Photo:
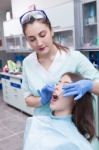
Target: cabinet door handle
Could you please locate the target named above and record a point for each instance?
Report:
(5, 77)
(15, 85)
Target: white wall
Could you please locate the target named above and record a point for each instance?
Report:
(18, 8)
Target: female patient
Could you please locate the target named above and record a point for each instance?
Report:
(69, 127)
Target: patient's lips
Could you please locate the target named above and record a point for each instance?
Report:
(54, 98)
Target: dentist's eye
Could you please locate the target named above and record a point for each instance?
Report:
(42, 34)
(31, 39)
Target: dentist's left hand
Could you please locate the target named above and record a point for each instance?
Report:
(46, 93)
(78, 88)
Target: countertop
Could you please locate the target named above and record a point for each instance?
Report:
(18, 76)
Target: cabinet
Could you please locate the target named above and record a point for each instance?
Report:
(16, 43)
(87, 1)
(13, 37)
(13, 93)
(12, 27)
(63, 27)
(12, 42)
(25, 5)
(61, 16)
(65, 38)
(87, 25)
(60, 13)
(87, 29)
(6, 88)
(90, 24)
(94, 58)
(18, 100)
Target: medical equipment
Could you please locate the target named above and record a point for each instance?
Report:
(36, 14)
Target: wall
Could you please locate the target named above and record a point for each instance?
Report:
(3, 55)
(19, 8)
(2, 18)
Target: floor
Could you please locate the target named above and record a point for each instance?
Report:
(12, 124)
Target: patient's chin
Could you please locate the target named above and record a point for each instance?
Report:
(52, 107)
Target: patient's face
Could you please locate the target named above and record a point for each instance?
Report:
(59, 104)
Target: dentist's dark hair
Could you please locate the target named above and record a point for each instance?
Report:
(83, 113)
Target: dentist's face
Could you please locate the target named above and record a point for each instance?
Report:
(59, 104)
(39, 37)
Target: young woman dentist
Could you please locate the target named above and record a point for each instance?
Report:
(68, 127)
(48, 62)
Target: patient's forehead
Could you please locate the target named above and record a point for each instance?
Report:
(66, 79)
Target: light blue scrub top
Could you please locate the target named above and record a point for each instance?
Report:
(35, 76)
(53, 133)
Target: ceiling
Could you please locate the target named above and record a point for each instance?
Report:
(5, 5)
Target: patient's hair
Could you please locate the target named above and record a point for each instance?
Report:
(83, 113)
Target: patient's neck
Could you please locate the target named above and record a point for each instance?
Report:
(62, 113)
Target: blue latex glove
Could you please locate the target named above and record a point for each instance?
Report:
(77, 89)
(46, 93)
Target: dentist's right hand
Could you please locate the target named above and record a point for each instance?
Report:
(46, 93)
